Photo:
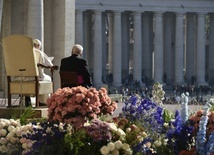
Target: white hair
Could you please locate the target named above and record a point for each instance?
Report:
(37, 42)
(77, 49)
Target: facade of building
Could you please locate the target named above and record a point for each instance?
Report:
(169, 41)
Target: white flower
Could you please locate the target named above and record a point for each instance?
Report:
(10, 128)
(144, 134)
(118, 144)
(86, 124)
(140, 138)
(48, 130)
(14, 122)
(3, 148)
(128, 130)
(24, 146)
(125, 146)
(113, 127)
(2, 125)
(157, 143)
(3, 140)
(111, 146)
(13, 140)
(165, 142)
(128, 152)
(18, 132)
(7, 122)
(108, 118)
(120, 132)
(166, 124)
(29, 144)
(22, 140)
(148, 144)
(104, 150)
(115, 152)
(3, 132)
(9, 135)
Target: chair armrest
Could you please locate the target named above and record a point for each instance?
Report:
(55, 67)
(51, 68)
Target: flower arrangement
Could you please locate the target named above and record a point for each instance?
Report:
(77, 104)
(80, 120)
(11, 132)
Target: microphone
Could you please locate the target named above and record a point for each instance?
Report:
(22, 69)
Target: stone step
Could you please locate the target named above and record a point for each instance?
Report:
(16, 110)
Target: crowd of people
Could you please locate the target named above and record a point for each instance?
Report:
(197, 94)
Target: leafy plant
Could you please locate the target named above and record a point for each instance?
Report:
(28, 113)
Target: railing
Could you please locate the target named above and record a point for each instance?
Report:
(118, 97)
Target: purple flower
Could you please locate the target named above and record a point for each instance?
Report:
(98, 131)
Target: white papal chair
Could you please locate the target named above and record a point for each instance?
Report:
(20, 63)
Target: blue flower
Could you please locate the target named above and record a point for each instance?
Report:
(201, 134)
(210, 145)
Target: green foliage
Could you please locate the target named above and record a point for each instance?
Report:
(75, 142)
(167, 116)
(212, 108)
(28, 113)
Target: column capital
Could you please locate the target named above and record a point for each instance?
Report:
(159, 13)
(98, 11)
(117, 11)
(190, 15)
(80, 10)
(180, 14)
(137, 12)
(201, 14)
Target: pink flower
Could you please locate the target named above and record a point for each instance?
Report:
(76, 105)
(79, 97)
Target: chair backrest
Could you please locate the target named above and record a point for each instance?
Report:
(68, 79)
(19, 54)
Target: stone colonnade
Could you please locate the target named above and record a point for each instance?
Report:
(168, 47)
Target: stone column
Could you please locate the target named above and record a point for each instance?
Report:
(211, 50)
(190, 46)
(147, 44)
(169, 44)
(5, 31)
(63, 32)
(35, 25)
(179, 50)
(158, 49)
(137, 55)
(18, 20)
(200, 60)
(117, 49)
(1, 10)
(104, 50)
(98, 43)
(88, 43)
(48, 27)
(110, 43)
(79, 24)
(125, 44)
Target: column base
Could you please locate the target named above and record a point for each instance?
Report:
(180, 82)
(117, 84)
(98, 85)
(202, 83)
